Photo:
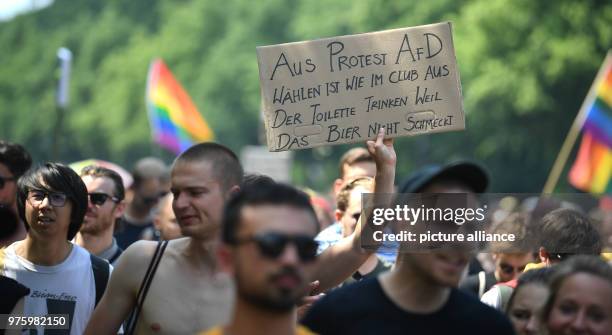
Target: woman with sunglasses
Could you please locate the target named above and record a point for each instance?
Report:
(52, 200)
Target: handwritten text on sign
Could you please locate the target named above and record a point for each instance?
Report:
(342, 89)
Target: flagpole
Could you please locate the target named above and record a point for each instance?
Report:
(572, 135)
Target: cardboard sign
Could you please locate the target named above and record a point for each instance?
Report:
(342, 89)
(276, 165)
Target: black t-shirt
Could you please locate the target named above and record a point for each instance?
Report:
(128, 232)
(10, 291)
(364, 308)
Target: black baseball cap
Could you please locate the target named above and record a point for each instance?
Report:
(471, 174)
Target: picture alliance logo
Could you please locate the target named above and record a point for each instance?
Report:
(412, 215)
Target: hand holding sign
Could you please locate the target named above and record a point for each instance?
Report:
(382, 150)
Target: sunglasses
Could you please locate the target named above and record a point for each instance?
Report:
(560, 256)
(99, 199)
(509, 269)
(272, 245)
(3, 181)
(56, 199)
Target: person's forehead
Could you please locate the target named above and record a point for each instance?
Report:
(586, 285)
(355, 196)
(98, 184)
(193, 174)
(280, 218)
(359, 169)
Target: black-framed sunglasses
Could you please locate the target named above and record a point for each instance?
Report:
(3, 181)
(560, 256)
(99, 199)
(272, 245)
(56, 199)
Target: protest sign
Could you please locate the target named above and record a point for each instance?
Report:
(342, 89)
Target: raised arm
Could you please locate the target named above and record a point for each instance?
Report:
(341, 260)
(120, 295)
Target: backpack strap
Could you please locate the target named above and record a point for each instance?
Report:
(116, 255)
(101, 273)
(144, 286)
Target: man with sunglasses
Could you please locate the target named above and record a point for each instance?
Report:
(105, 207)
(150, 184)
(14, 162)
(62, 276)
(561, 233)
(189, 292)
(268, 246)
(509, 258)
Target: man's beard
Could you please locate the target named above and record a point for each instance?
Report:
(285, 300)
(95, 227)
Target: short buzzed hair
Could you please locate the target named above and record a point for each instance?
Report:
(276, 194)
(353, 156)
(225, 164)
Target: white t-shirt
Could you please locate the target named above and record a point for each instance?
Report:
(66, 288)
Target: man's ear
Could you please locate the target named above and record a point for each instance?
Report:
(225, 257)
(544, 256)
(119, 209)
(338, 214)
(233, 190)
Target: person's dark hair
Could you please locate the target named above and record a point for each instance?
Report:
(592, 265)
(568, 231)
(55, 177)
(263, 194)
(256, 179)
(536, 276)
(354, 156)
(225, 164)
(149, 168)
(100, 172)
(15, 157)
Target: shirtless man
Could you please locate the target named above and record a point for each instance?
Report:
(189, 292)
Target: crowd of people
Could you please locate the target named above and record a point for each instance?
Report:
(201, 248)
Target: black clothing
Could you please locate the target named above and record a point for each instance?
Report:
(364, 308)
(128, 232)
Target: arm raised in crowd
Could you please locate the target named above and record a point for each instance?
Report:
(341, 260)
(120, 295)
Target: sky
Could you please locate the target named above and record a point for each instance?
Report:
(11, 8)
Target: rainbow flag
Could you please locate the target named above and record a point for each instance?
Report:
(175, 121)
(592, 170)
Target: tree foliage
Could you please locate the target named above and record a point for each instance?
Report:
(525, 68)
